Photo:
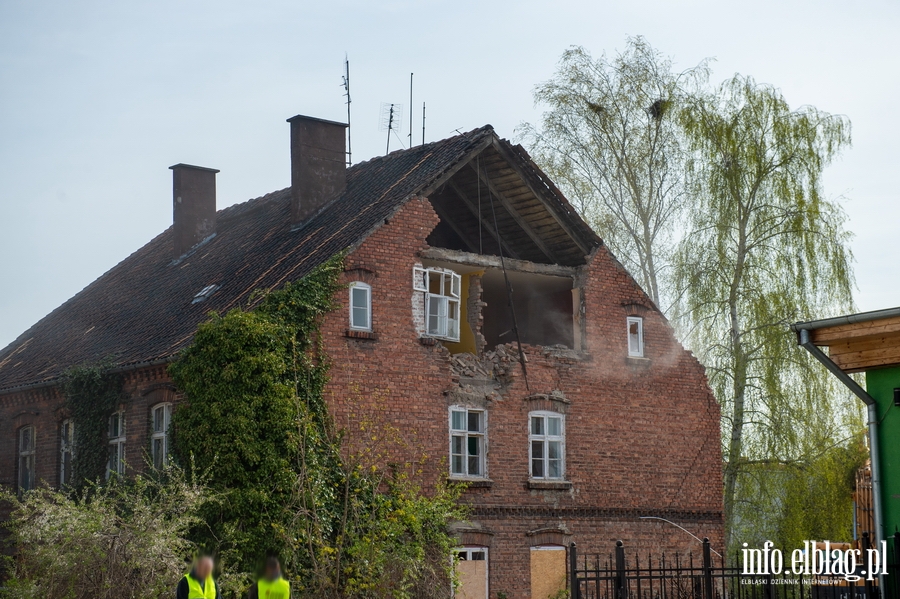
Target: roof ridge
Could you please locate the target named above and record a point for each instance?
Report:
(141, 307)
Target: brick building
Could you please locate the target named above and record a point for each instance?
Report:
(612, 421)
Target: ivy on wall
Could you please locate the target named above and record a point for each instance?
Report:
(253, 382)
(255, 421)
(92, 392)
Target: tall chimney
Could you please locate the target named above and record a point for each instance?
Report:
(318, 165)
(193, 205)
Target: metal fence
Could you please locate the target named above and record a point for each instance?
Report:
(709, 576)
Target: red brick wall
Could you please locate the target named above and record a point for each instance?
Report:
(642, 435)
(43, 408)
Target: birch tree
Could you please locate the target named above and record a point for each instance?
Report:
(610, 139)
(764, 248)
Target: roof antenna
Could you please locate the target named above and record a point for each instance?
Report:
(391, 117)
(423, 123)
(410, 109)
(347, 95)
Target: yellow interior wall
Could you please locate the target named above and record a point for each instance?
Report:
(548, 572)
(466, 335)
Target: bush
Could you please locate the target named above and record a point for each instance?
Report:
(124, 539)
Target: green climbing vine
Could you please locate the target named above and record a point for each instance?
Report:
(255, 420)
(92, 393)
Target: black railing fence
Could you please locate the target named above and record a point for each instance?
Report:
(709, 576)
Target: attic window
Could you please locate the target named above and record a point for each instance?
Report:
(204, 294)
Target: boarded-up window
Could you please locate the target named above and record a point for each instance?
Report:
(548, 571)
(472, 569)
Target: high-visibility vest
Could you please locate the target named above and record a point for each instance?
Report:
(195, 591)
(274, 589)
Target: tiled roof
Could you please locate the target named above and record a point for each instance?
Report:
(141, 310)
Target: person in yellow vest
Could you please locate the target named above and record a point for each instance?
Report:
(198, 583)
(272, 585)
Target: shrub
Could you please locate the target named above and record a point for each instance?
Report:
(124, 539)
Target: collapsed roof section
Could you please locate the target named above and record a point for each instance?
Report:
(500, 201)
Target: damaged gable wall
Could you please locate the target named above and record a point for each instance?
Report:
(642, 434)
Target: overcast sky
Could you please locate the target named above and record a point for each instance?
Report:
(98, 99)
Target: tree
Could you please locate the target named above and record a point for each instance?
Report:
(611, 140)
(765, 248)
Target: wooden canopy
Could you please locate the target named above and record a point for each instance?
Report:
(859, 342)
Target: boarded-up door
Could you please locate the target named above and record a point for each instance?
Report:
(548, 571)
(472, 569)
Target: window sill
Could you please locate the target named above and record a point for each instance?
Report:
(472, 483)
(638, 360)
(549, 485)
(427, 340)
(357, 334)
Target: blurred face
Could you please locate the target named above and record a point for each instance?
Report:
(272, 571)
(204, 567)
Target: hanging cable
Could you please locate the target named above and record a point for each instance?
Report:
(478, 176)
(512, 308)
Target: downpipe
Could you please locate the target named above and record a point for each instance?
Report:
(872, 425)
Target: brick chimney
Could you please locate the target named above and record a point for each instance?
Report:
(193, 205)
(318, 165)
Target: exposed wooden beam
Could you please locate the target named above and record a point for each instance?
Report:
(437, 183)
(859, 330)
(474, 209)
(507, 205)
(857, 361)
(484, 261)
(446, 218)
(512, 160)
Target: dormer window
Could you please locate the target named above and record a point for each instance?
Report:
(635, 337)
(441, 289)
(204, 294)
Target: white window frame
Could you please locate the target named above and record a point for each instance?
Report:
(463, 433)
(442, 304)
(357, 286)
(160, 434)
(635, 351)
(116, 443)
(473, 551)
(545, 439)
(27, 457)
(66, 451)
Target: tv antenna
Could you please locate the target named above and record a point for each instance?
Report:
(346, 79)
(391, 119)
(410, 110)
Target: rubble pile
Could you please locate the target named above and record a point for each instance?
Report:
(498, 364)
